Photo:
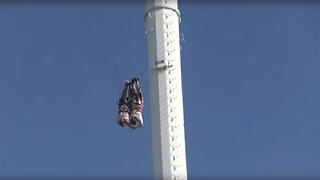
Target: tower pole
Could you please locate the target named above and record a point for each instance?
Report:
(168, 137)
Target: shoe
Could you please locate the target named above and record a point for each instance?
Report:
(135, 79)
(127, 83)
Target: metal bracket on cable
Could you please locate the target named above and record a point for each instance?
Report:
(162, 7)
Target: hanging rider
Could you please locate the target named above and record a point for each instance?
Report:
(135, 102)
(124, 111)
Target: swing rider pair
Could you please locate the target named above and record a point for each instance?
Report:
(130, 107)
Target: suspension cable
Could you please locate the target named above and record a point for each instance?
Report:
(104, 58)
(109, 45)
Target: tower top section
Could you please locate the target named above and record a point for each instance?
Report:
(153, 5)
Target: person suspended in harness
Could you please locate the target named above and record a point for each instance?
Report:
(124, 111)
(130, 105)
(135, 103)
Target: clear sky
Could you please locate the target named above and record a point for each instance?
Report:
(251, 87)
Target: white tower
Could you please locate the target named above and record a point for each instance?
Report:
(168, 138)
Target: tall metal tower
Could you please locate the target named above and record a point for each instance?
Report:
(168, 137)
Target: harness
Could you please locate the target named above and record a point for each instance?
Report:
(124, 108)
(135, 98)
(122, 101)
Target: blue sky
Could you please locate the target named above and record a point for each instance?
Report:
(251, 87)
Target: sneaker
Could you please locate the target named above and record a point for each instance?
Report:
(135, 79)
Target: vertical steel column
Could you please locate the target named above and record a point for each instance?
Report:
(169, 156)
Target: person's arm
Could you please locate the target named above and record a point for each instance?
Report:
(136, 127)
(140, 124)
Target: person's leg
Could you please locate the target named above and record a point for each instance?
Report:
(124, 92)
(131, 91)
(123, 99)
(135, 79)
(138, 85)
(139, 94)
